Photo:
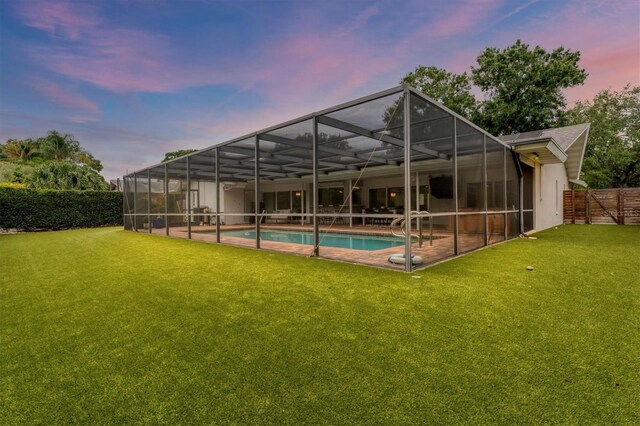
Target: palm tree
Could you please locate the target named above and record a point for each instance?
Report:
(20, 150)
(65, 147)
(58, 147)
(65, 175)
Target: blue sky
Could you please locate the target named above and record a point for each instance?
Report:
(135, 79)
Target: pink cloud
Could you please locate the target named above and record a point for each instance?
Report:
(456, 19)
(363, 17)
(65, 96)
(335, 62)
(62, 19)
(460, 18)
(607, 37)
(111, 57)
(609, 67)
(322, 63)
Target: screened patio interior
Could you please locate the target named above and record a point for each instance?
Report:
(392, 174)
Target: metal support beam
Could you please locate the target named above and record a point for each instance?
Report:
(166, 200)
(456, 246)
(244, 172)
(316, 233)
(188, 199)
(485, 183)
(350, 202)
(149, 200)
(217, 195)
(516, 161)
(125, 204)
(506, 204)
(135, 202)
(342, 125)
(325, 149)
(418, 220)
(302, 201)
(257, 191)
(407, 182)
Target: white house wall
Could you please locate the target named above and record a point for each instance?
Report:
(232, 200)
(233, 203)
(550, 181)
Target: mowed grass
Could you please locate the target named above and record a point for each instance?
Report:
(104, 326)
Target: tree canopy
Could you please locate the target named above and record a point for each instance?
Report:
(612, 157)
(451, 90)
(521, 87)
(65, 175)
(175, 154)
(54, 161)
(19, 150)
(520, 90)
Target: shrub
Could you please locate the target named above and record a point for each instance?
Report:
(44, 209)
(65, 175)
(15, 185)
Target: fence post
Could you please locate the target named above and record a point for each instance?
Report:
(621, 206)
(573, 206)
(587, 212)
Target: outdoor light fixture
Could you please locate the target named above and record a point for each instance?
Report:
(392, 194)
(297, 194)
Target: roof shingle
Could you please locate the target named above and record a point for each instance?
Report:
(563, 136)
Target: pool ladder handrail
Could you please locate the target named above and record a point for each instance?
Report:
(414, 214)
(262, 215)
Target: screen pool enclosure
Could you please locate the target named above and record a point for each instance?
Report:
(392, 179)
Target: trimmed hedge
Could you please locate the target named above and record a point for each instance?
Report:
(46, 209)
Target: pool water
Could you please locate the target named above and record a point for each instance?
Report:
(349, 241)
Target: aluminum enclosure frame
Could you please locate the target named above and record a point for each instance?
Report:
(405, 93)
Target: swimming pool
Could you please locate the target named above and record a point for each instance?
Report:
(349, 241)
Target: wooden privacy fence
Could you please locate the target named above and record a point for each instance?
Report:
(604, 206)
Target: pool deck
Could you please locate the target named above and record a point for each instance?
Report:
(440, 249)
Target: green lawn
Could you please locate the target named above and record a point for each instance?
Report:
(106, 326)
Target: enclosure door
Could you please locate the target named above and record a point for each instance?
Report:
(527, 197)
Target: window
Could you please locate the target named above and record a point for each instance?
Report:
(331, 197)
(284, 200)
(269, 201)
(396, 197)
(296, 206)
(474, 196)
(377, 198)
(356, 196)
(495, 195)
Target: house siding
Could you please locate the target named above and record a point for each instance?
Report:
(550, 181)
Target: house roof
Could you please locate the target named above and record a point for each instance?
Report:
(571, 140)
(564, 137)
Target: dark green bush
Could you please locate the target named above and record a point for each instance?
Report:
(40, 209)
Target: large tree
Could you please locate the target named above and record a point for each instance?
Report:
(52, 161)
(523, 86)
(58, 147)
(20, 150)
(451, 90)
(612, 157)
(520, 87)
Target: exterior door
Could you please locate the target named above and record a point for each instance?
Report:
(527, 197)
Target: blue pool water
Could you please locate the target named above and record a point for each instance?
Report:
(350, 241)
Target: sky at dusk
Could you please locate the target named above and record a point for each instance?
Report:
(135, 79)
